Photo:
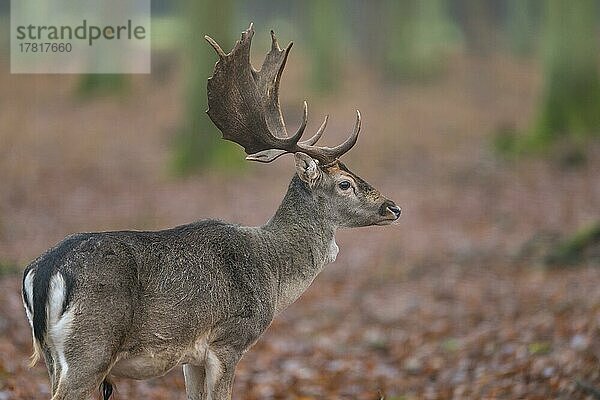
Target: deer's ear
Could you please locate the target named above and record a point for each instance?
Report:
(307, 168)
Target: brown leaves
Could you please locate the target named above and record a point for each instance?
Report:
(431, 308)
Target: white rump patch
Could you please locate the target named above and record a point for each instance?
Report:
(28, 284)
(59, 326)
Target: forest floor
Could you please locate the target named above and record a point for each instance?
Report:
(444, 305)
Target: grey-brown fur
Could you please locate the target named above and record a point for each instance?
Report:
(138, 293)
(137, 304)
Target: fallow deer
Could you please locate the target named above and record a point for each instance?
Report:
(137, 304)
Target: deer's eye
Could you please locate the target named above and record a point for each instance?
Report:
(344, 185)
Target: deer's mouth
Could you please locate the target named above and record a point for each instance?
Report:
(390, 213)
(387, 221)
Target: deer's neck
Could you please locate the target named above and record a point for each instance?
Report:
(303, 241)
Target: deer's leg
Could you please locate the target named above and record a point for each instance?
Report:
(220, 369)
(86, 365)
(228, 344)
(85, 348)
(194, 381)
(71, 390)
(53, 369)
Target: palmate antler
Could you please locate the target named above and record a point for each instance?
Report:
(244, 104)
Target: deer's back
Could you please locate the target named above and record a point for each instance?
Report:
(174, 283)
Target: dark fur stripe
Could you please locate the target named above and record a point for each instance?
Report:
(106, 389)
(45, 268)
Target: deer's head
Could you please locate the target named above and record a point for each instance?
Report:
(244, 105)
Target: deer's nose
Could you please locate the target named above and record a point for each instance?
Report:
(396, 210)
(390, 206)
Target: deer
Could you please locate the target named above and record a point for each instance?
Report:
(136, 304)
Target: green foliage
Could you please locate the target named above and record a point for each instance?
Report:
(198, 145)
(419, 35)
(4, 33)
(451, 345)
(8, 268)
(167, 32)
(572, 250)
(194, 152)
(505, 140)
(325, 29)
(539, 348)
(570, 101)
(91, 85)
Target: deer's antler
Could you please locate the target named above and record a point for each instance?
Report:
(244, 104)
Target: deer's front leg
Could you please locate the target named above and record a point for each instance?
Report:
(194, 381)
(220, 369)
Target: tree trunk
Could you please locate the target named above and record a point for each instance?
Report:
(418, 35)
(523, 19)
(571, 98)
(198, 144)
(325, 29)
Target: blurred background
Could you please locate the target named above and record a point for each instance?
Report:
(480, 119)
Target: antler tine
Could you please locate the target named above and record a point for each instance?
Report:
(244, 104)
(315, 138)
(274, 44)
(215, 46)
(302, 126)
(330, 154)
(351, 141)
